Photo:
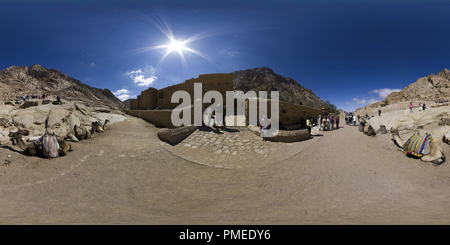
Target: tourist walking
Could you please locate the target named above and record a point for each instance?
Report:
(319, 122)
(324, 123)
(354, 120)
(423, 106)
(410, 107)
(379, 112)
(337, 122)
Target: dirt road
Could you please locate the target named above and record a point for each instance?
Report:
(127, 176)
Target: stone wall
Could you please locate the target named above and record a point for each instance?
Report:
(148, 99)
(159, 118)
(152, 98)
(290, 114)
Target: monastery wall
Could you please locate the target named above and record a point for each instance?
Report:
(290, 114)
(152, 98)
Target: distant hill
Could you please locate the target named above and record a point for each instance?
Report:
(17, 81)
(265, 79)
(429, 88)
(127, 103)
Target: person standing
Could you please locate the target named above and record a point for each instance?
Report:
(354, 120)
(423, 106)
(319, 122)
(224, 112)
(308, 125)
(410, 107)
(379, 112)
(263, 126)
(332, 122)
(337, 122)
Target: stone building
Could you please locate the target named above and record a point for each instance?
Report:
(291, 115)
(152, 98)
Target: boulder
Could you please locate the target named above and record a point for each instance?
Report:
(444, 121)
(4, 140)
(4, 133)
(5, 121)
(30, 103)
(56, 122)
(24, 131)
(32, 119)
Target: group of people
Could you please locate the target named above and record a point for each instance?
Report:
(327, 123)
(351, 118)
(30, 96)
(422, 107)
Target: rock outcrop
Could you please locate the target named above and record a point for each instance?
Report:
(265, 79)
(38, 120)
(429, 88)
(16, 82)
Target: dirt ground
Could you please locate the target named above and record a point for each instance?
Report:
(128, 176)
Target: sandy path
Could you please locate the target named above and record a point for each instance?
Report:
(344, 177)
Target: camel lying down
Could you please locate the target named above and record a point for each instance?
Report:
(32, 149)
(421, 146)
(99, 127)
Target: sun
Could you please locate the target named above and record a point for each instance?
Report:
(176, 45)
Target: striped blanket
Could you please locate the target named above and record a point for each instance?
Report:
(417, 145)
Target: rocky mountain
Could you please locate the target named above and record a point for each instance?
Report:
(127, 103)
(18, 81)
(429, 88)
(265, 79)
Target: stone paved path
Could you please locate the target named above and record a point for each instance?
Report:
(235, 148)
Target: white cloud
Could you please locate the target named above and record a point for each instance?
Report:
(382, 93)
(143, 78)
(122, 94)
(365, 101)
(92, 64)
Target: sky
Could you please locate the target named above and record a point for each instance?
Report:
(351, 53)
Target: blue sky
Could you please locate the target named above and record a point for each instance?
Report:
(351, 53)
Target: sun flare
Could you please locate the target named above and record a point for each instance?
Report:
(180, 47)
(175, 45)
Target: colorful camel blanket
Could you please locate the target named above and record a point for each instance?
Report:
(417, 145)
(38, 143)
